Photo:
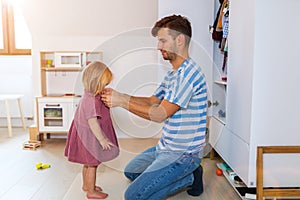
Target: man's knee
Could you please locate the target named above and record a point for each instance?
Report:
(128, 195)
(129, 175)
(132, 194)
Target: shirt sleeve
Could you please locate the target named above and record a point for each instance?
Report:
(160, 92)
(90, 108)
(180, 92)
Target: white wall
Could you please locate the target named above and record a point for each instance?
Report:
(92, 25)
(16, 78)
(70, 26)
(88, 17)
(82, 24)
(201, 14)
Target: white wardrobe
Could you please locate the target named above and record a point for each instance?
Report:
(261, 97)
(262, 92)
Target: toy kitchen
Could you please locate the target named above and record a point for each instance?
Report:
(61, 89)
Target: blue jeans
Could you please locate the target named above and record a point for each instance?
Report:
(156, 175)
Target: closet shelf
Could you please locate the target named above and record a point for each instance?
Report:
(241, 189)
(62, 69)
(220, 119)
(220, 82)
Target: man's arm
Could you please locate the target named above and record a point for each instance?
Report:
(150, 108)
(156, 112)
(147, 101)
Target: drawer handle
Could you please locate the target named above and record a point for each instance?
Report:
(53, 105)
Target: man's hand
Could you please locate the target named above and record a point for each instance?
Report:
(106, 96)
(112, 98)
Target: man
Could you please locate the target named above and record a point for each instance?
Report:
(180, 102)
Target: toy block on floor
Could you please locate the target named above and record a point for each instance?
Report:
(31, 145)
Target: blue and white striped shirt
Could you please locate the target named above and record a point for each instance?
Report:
(185, 130)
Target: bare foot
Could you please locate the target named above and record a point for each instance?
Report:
(96, 195)
(97, 188)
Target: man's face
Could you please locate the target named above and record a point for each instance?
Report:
(166, 44)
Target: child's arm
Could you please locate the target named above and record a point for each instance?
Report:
(94, 126)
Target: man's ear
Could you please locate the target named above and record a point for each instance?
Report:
(180, 40)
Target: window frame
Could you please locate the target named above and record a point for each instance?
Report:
(9, 47)
(4, 29)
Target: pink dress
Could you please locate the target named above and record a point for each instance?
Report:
(82, 146)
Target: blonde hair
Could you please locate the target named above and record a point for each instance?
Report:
(95, 77)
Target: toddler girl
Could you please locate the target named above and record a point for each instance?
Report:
(92, 139)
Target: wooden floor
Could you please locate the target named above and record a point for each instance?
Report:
(20, 179)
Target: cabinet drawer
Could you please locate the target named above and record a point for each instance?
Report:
(215, 130)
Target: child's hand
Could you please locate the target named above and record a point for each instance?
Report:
(106, 144)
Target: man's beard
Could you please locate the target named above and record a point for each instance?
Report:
(167, 55)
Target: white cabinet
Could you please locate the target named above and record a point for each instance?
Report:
(56, 113)
(261, 93)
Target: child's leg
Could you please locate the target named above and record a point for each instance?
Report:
(84, 185)
(90, 181)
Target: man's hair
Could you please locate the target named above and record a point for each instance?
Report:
(177, 23)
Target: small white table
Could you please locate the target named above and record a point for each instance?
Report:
(7, 98)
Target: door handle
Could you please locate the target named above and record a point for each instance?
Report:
(216, 103)
(52, 105)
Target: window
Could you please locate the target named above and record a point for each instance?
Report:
(15, 38)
